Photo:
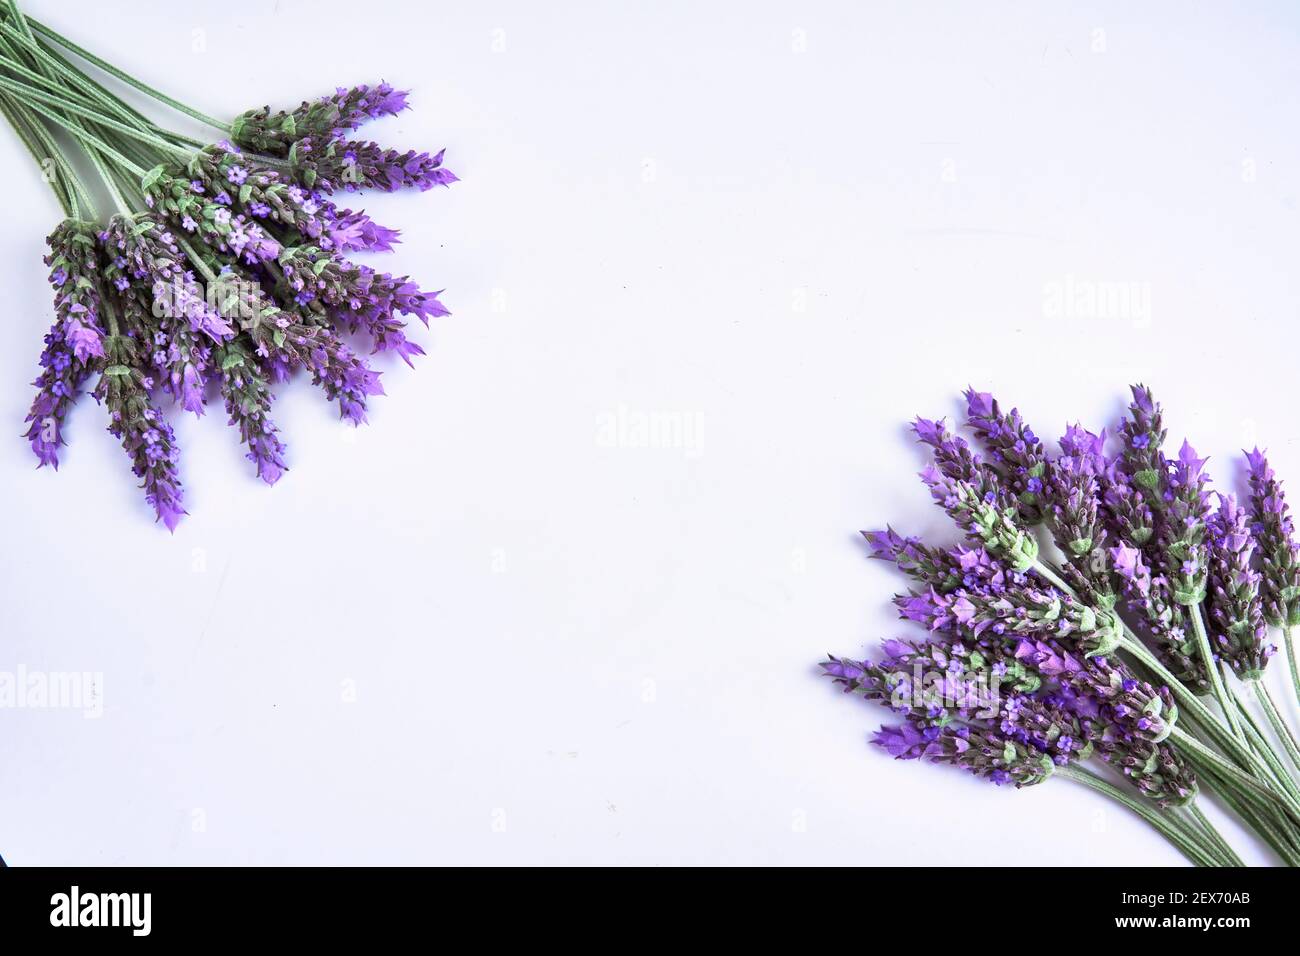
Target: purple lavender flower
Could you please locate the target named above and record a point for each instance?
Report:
(1124, 719)
(356, 297)
(1015, 452)
(1272, 526)
(147, 266)
(209, 220)
(1013, 739)
(143, 431)
(188, 288)
(355, 231)
(979, 516)
(942, 570)
(1151, 596)
(1072, 506)
(1142, 436)
(329, 117)
(353, 165)
(74, 344)
(1022, 611)
(1236, 623)
(1182, 528)
(248, 400)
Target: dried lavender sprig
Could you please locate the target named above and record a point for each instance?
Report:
(1015, 452)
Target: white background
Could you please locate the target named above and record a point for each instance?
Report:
(792, 226)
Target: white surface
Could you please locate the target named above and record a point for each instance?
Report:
(571, 649)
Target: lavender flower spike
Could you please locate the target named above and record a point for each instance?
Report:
(1073, 496)
(1237, 626)
(145, 435)
(329, 117)
(1278, 551)
(1143, 435)
(979, 516)
(1182, 531)
(74, 343)
(1016, 454)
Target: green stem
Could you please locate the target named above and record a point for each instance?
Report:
(94, 93)
(1231, 773)
(79, 194)
(1194, 850)
(1212, 670)
(68, 106)
(1264, 819)
(122, 206)
(1292, 659)
(127, 78)
(1226, 852)
(19, 123)
(1279, 725)
(1259, 743)
(86, 138)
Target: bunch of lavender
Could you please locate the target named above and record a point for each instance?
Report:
(1157, 599)
(224, 267)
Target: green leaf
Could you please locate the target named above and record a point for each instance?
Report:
(231, 360)
(152, 177)
(245, 191)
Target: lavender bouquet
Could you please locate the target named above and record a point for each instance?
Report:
(221, 268)
(1128, 659)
